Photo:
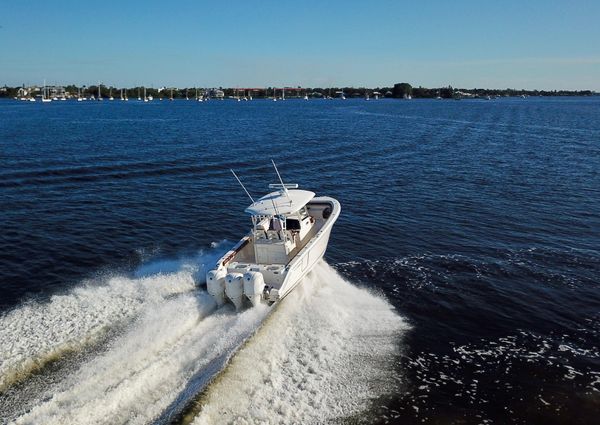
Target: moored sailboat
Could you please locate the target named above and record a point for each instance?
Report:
(45, 95)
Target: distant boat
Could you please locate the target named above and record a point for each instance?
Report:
(139, 98)
(367, 96)
(99, 92)
(305, 97)
(45, 97)
(145, 98)
(110, 96)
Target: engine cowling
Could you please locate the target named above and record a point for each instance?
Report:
(215, 285)
(254, 284)
(234, 289)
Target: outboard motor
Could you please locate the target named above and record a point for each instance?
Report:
(254, 284)
(215, 285)
(234, 289)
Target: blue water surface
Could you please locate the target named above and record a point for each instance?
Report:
(479, 220)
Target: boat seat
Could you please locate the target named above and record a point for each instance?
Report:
(273, 234)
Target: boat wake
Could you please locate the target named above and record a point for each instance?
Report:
(321, 354)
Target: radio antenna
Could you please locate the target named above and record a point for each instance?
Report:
(242, 184)
(283, 187)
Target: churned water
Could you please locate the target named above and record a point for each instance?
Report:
(461, 283)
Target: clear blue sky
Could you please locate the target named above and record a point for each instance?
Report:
(522, 44)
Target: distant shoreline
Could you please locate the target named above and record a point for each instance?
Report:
(399, 90)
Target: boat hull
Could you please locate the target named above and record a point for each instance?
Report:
(311, 254)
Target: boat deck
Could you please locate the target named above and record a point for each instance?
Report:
(244, 259)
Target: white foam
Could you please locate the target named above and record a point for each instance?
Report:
(149, 365)
(38, 332)
(322, 355)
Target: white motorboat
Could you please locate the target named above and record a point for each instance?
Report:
(290, 232)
